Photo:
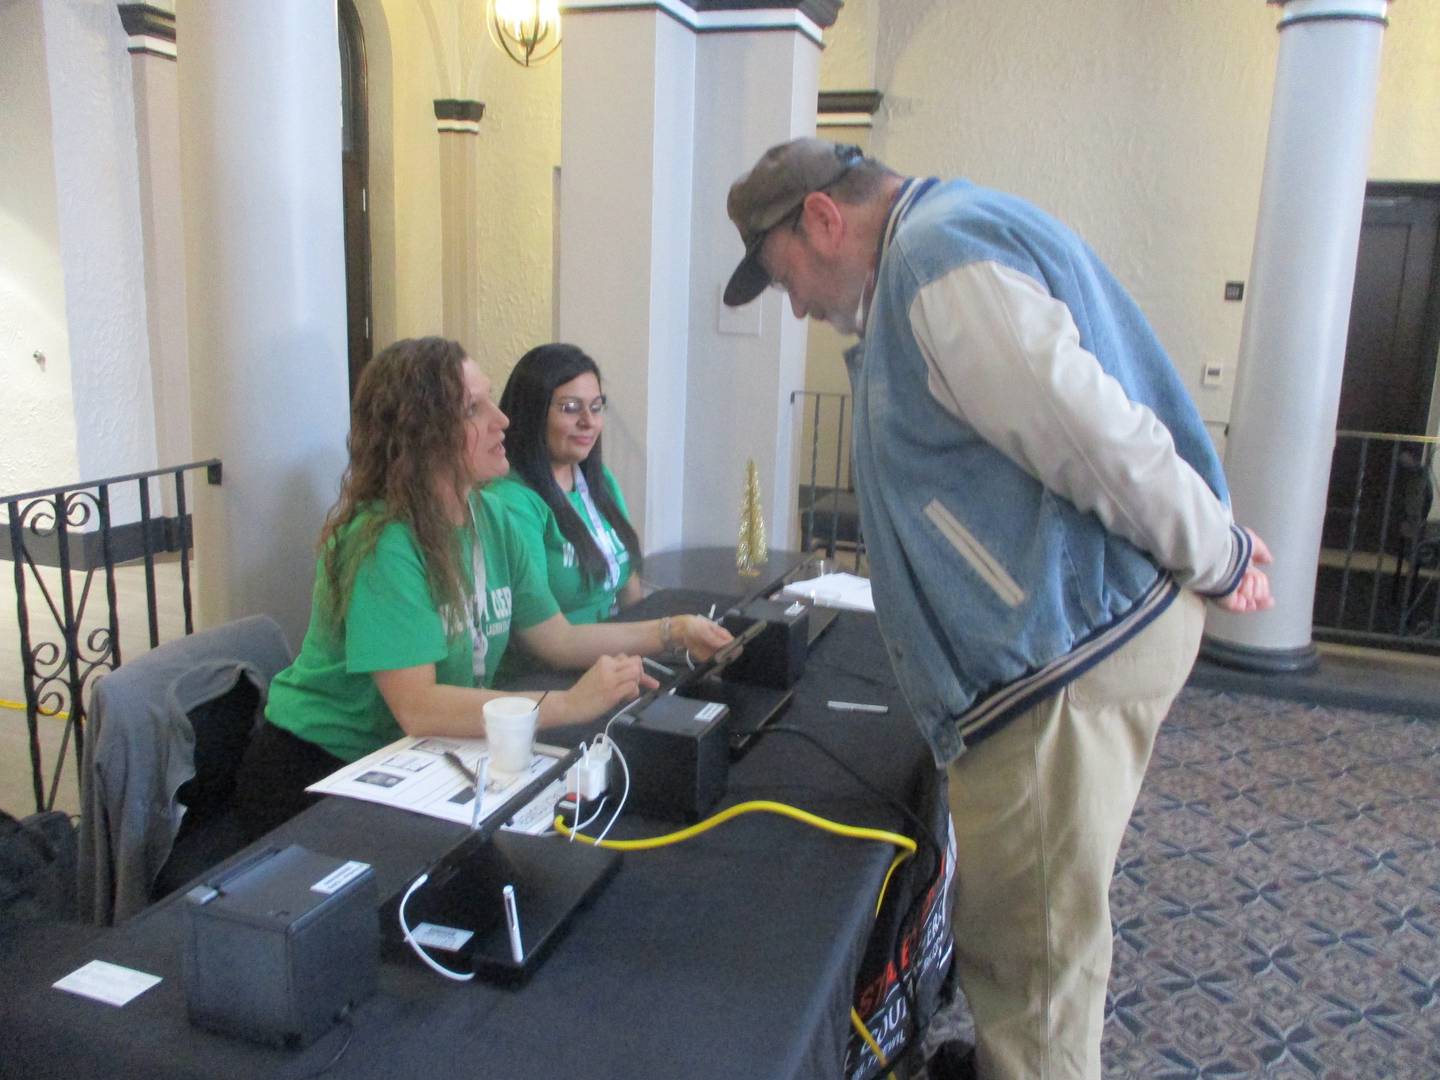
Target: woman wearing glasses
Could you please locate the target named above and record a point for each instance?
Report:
(421, 586)
(566, 505)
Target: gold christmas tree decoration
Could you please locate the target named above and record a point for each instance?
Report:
(752, 552)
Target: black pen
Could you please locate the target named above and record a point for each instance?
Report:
(454, 759)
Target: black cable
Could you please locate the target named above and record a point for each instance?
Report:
(851, 673)
(907, 982)
(343, 1018)
(909, 815)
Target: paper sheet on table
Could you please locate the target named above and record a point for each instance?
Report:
(412, 773)
(110, 983)
(844, 591)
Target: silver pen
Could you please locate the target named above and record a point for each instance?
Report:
(481, 775)
(512, 923)
(857, 706)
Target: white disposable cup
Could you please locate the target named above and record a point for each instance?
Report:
(510, 733)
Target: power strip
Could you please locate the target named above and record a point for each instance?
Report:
(590, 776)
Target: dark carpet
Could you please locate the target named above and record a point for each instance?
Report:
(1277, 899)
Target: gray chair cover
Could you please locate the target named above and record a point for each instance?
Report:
(141, 749)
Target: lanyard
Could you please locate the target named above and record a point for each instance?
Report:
(597, 529)
(476, 606)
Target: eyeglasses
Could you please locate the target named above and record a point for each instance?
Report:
(573, 406)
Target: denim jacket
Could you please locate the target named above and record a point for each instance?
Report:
(1035, 483)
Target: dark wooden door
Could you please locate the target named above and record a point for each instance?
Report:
(354, 158)
(1390, 353)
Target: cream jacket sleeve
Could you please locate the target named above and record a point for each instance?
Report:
(1005, 357)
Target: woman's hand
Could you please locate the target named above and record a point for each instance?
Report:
(698, 634)
(610, 681)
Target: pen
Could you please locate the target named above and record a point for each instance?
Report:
(655, 665)
(512, 922)
(454, 759)
(856, 706)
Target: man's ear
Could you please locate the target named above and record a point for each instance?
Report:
(824, 222)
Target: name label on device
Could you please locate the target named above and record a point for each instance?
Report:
(339, 877)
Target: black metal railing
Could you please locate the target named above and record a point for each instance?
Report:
(1377, 582)
(829, 512)
(51, 528)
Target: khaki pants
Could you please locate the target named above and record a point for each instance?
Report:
(1040, 809)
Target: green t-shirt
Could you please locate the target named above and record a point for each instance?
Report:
(538, 530)
(328, 697)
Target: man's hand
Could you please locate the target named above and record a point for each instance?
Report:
(1253, 593)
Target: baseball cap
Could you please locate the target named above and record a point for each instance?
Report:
(771, 192)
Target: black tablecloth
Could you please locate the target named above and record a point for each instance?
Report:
(732, 955)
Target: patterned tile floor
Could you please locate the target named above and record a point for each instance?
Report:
(1277, 899)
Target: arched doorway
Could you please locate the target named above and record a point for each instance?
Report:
(354, 157)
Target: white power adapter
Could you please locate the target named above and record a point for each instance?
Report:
(590, 776)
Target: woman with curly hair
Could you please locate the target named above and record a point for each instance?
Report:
(419, 586)
(565, 504)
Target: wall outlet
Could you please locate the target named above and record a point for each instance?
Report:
(1234, 290)
(1212, 374)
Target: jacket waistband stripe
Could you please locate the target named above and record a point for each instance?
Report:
(985, 715)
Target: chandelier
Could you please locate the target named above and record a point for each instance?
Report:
(528, 30)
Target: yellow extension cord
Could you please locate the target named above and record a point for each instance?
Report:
(20, 706)
(853, 832)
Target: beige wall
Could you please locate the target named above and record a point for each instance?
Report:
(440, 49)
(1144, 128)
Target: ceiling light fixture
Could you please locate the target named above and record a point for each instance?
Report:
(528, 30)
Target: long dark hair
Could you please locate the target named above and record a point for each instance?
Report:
(526, 401)
(406, 428)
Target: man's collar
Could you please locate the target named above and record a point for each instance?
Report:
(905, 197)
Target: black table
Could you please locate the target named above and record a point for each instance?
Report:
(732, 955)
(713, 568)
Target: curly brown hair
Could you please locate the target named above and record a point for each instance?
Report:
(407, 429)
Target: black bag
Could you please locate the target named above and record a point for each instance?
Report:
(37, 867)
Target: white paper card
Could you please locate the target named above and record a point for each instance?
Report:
(843, 591)
(449, 938)
(110, 983)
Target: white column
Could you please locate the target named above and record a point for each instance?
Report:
(151, 31)
(1292, 350)
(627, 146)
(259, 93)
(663, 105)
(762, 90)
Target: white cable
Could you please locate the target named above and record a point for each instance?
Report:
(579, 795)
(599, 809)
(420, 949)
(621, 713)
(624, 792)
